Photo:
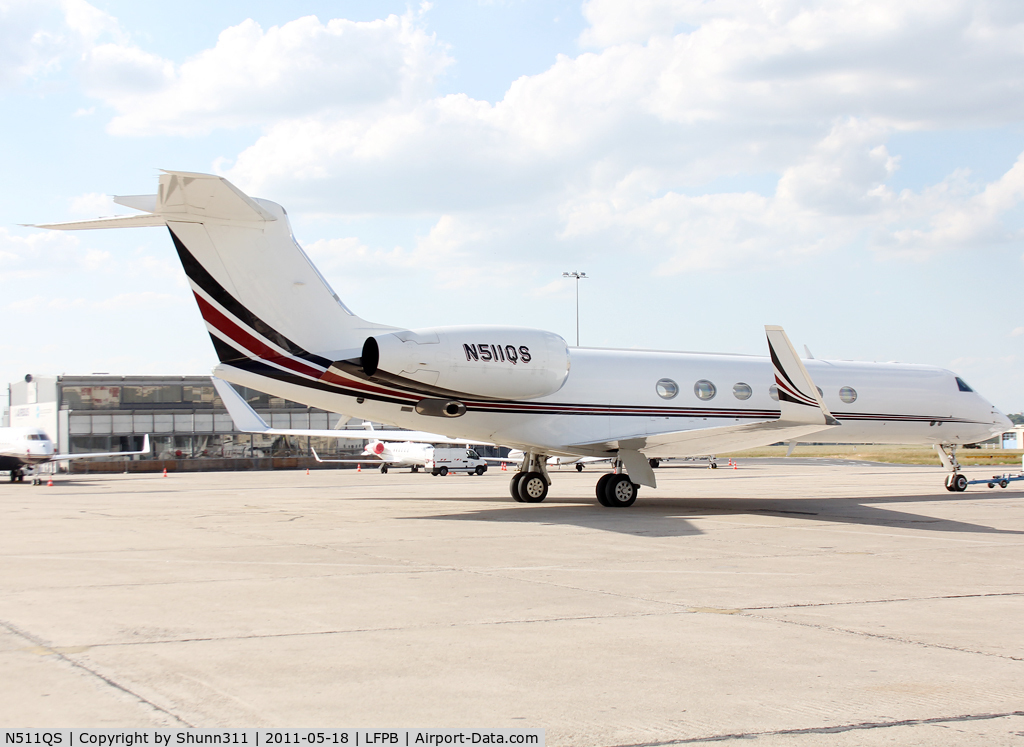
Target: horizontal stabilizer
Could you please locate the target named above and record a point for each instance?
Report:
(182, 196)
(146, 203)
(117, 221)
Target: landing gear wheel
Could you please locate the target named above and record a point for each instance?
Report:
(415, 468)
(655, 463)
(480, 469)
(579, 466)
(443, 471)
(383, 469)
(620, 492)
(513, 486)
(949, 483)
(958, 484)
(713, 465)
(14, 476)
(533, 488)
(600, 489)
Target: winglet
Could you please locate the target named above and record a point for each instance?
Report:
(799, 400)
(246, 419)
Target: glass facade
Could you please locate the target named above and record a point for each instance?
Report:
(186, 420)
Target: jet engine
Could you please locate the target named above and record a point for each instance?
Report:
(478, 361)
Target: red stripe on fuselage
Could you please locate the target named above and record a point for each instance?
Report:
(246, 340)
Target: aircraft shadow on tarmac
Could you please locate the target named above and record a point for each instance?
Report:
(672, 517)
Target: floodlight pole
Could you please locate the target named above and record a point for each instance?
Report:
(577, 276)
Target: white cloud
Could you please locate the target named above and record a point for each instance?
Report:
(39, 37)
(256, 77)
(1017, 332)
(93, 205)
(616, 147)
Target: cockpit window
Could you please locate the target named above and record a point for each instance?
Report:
(963, 385)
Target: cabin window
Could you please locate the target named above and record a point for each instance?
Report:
(963, 385)
(704, 389)
(742, 391)
(666, 388)
(773, 392)
(848, 395)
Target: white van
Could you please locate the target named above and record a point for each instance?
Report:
(444, 461)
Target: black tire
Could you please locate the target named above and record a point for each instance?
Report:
(480, 469)
(949, 483)
(600, 488)
(533, 488)
(435, 472)
(620, 492)
(579, 466)
(713, 465)
(443, 472)
(513, 486)
(959, 483)
(991, 484)
(655, 463)
(383, 469)
(1003, 483)
(415, 468)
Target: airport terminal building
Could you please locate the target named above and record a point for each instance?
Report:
(183, 415)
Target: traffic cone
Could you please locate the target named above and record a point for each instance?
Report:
(165, 472)
(307, 470)
(49, 483)
(503, 467)
(735, 465)
(359, 468)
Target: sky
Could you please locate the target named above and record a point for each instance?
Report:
(850, 169)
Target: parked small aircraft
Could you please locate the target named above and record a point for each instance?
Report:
(24, 449)
(278, 327)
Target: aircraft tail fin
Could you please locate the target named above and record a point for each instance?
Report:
(799, 400)
(267, 308)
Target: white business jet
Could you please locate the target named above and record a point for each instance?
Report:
(388, 448)
(278, 327)
(22, 450)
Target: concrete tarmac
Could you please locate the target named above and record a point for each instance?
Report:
(789, 602)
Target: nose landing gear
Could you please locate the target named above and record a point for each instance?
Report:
(955, 482)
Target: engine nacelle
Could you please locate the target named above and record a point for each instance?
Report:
(477, 361)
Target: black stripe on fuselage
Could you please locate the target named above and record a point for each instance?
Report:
(523, 408)
(201, 277)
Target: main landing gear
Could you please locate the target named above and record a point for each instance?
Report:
(17, 475)
(530, 484)
(616, 490)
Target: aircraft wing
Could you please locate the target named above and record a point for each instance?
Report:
(801, 413)
(247, 420)
(348, 461)
(703, 441)
(90, 455)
